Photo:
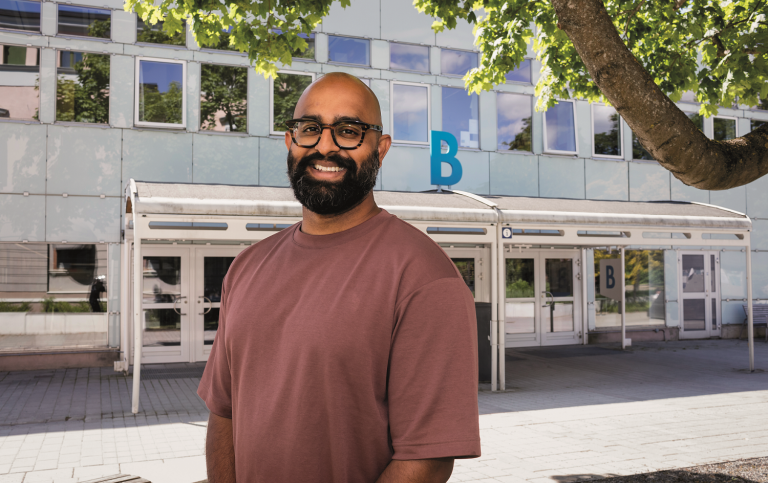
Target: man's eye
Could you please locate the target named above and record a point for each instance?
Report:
(309, 129)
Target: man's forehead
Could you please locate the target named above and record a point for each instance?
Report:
(333, 99)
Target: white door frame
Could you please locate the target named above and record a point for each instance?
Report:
(482, 258)
(711, 295)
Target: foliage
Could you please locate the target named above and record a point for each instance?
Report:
(87, 98)
(606, 143)
(14, 307)
(156, 106)
(155, 34)
(718, 50)
(522, 140)
(51, 305)
(224, 88)
(287, 90)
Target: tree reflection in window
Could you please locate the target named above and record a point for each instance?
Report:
(160, 92)
(223, 101)
(82, 87)
(287, 89)
(154, 34)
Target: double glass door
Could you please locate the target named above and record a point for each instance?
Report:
(542, 298)
(700, 295)
(181, 301)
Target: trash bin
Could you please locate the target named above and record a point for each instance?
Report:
(483, 312)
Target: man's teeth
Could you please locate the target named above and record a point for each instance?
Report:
(329, 169)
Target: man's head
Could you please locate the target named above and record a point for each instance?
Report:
(325, 178)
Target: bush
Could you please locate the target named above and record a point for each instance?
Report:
(51, 305)
(14, 307)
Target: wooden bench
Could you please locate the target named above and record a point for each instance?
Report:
(759, 317)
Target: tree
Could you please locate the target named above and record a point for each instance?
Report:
(639, 56)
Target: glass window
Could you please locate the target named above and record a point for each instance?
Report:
(82, 87)
(286, 90)
(513, 128)
(154, 34)
(309, 52)
(457, 62)
(84, 22)
(606, 128)
(638, 151)
(560, 128)
(224, 98)
(724, 128)
(522, 73)
(754, 124)
(410, 113)
(409, 57)
(698, 121)
(346, 50)
(461, 117)
(160, 93)
(20, 15)
(19, 73)
(762, 105)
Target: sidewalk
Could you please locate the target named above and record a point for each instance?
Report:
(570, 413)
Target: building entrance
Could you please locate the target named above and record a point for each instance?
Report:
(543, 298)
(700, 294)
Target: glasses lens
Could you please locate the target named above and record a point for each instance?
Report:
(348, 135)
(306, 132)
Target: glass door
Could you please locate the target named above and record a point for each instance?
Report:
(472, 265)
(700, 295)
(557, 290)
(165, 305)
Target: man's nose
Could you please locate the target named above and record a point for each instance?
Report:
(326, 144)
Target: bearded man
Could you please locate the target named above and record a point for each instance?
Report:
(346, 348)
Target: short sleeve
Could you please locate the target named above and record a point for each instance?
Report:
(433, 377)
(215, 387)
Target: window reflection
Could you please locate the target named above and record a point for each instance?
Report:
(754, 124)
(457, 62)
(638, 151)
(466, 268)
(162, 279)
(286, 90)
(20, 15)
(84, 22)
(461, 117)
(161, 92)
(410, 106)
(347, 50)
(82, 87)
(224, 98)
(522, 73)
(560, 128)
(513, 129)
(19, 77)
(309, 52)
(724, 129)
(154, 34)
(408, 57)
(697, 120)
(607, 131)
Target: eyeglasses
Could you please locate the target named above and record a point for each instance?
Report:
(346, 134)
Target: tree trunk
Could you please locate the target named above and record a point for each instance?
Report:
(663, 129)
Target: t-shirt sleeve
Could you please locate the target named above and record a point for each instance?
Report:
(215, 387)
(433, 377)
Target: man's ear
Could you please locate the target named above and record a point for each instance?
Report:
(385, 142)
(288, 141)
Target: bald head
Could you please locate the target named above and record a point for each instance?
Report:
(339, 96)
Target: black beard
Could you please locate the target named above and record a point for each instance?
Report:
(327, 198)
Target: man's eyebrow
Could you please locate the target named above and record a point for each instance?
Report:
(318, 118)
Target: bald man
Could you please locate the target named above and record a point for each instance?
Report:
(346, 348)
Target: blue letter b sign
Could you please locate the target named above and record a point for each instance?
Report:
(610, 281)
(437, 159)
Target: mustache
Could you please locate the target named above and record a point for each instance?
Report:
(310, 159)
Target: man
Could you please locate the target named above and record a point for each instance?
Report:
(346, 349)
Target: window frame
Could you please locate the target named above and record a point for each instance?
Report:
(457, 76)
(39, 103)
(200, 129)
(30, 32)
(70, 36)
(392, 112)
(519, 83)
(621, 134)
(429, 58)
(533, 110)
(575, 132)
(160, 125)
(272, 132)
(735, 120)
(108, 124)
(363, 66)
(479, 117)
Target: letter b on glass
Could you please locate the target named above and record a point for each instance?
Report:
(437, 158)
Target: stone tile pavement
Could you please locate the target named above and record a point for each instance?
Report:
(569, 413)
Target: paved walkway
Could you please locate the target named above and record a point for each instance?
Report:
(570, 413)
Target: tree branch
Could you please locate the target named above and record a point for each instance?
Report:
(632, 14)
(663, 129)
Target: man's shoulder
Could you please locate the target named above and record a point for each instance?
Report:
(259, 251)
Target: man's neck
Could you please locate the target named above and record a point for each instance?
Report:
(314, 224)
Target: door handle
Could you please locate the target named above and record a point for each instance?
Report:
(552, 301)
(174, 305)
(210, 305)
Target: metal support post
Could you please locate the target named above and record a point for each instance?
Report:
(138, 279)
(494, 313)
(623, 303)
(750, 320)
(502, 297)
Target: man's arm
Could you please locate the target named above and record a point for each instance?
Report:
(220, 450)
(417, 471)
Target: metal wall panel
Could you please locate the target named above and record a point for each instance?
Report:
(459, 38)
(648, 182)
(757, 198)
(401, 22)
(123, 27)
(226, 159)
(607, 180)
(193, 96)
(561, 177)
(157, 156)
(121, 80)
(272, 162)
(475, 168)
(733, 199)
(360, 19)
(514, 174)
(22, 218)
(406, 169)
(82, 219)
(22, 158)
(47, 85)
(683, 192)
(760, 275)
(733, 275)
(84, 161)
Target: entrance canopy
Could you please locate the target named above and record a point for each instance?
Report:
(170, 212)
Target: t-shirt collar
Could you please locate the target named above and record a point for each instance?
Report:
(335, 239)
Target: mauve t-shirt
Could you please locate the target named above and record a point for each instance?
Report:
(337, 353)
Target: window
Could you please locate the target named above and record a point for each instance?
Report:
(154, 34)
(84, 22)
(19, 73)
(606, 131)
(762, 105)
(82, 87)
(638, 151)
(754, 124)
(457, 62)
(724, 128)
(286, 90)
(20, 15)
(347, 50)
(309, 52)
(409, 57)
(522, 73)
(697, 119)
(224, 98)
(461, 117)
(513, 128)
(410, 112)
(160, 99)
(560, 128)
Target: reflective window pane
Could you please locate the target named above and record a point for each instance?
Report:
(19, 74)
(513, 128)
(693, 273)
(214, 270)
(519, 318)
(20, 15)
(694, 317)
(714, 314)
(210, 325)
(286, 90)
(520, 278)
(725, 129)
(154, 34)
(644, 279)
(461, 116)
(698, 121)
(82, 87)
(466, 268)
(161, 92)
(408, 57)
(638, 151)
(84, 22)
(522, 73)
(457, 62)
(309, 52)
(162, 280)
(223, 98)
(754, 124)
(559, 277)
(607, 130)
(560, 128)
(346, 50)
(557, 316)
(410, 105)
(162, 328)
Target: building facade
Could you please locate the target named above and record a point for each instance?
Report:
(90, 98)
